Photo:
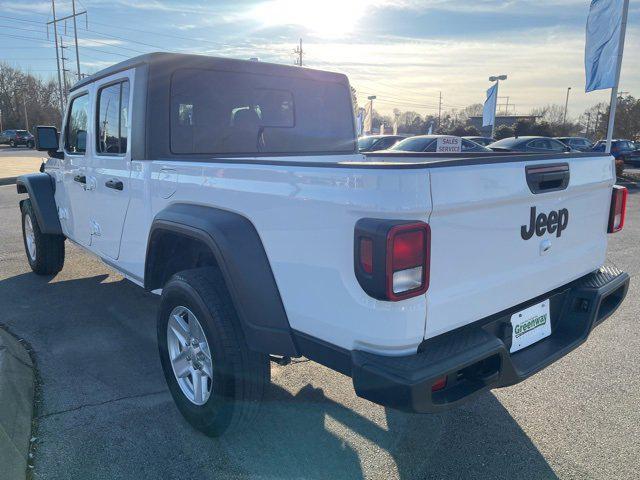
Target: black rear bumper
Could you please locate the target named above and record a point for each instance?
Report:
(476, 357)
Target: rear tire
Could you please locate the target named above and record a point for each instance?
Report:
(12, 144)
(45, 253)
(239, 376)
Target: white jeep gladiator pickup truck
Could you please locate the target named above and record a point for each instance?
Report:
(235, 190)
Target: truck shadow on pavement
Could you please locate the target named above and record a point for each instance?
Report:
(107, 413)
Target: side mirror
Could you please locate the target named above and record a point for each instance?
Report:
(47, 138)
(567, 149)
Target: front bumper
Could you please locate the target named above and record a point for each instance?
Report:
(476, 357)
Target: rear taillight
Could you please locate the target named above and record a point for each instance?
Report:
(406, 266)
(392, 258)
(618, 209)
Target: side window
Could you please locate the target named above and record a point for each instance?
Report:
(468, 146)
(112, 119)
(431, 147)
(535, 144)
(76, 129)
(556, 146)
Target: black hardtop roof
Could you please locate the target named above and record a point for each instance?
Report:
(174, 61)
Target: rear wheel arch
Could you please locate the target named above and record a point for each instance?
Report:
(185, 236)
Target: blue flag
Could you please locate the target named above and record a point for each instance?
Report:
(489, 110)
(603, 43)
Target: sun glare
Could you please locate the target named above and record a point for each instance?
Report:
(326, 18)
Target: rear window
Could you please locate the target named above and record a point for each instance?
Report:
(216, 112)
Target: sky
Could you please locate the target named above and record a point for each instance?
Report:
(406, 52)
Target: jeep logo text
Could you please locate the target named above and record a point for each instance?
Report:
(554, 222)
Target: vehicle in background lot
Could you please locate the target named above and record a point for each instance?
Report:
(622, 150)
(15, 138)
(530, 144)
(426, 278)
(428, 143)
(484, 141)
(371, 143)
(581, 144)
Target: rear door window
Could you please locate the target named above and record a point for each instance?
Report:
(218, 112)
(112, 119)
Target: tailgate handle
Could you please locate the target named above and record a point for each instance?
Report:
(547, 178)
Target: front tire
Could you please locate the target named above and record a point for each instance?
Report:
(216, 382)
(45, 252)
(12, 144)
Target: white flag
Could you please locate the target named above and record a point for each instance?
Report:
(489, 110)
(603, 43)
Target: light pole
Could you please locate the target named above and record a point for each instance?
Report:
(371, 99)
(566, 107)
(496, 79)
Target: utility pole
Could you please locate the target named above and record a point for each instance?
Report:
(298, 51)
(566, 107)
(55, 21)
(75, 35)
(26, 117)
(440, 110)
(55, 35)
(1, 129)
(64, 70)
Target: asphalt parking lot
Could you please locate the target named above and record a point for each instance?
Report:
(106, 413)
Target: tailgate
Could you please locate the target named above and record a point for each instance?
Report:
(485, 257)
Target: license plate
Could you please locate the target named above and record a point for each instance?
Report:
(530, 326)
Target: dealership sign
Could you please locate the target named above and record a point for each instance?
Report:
(449, 145)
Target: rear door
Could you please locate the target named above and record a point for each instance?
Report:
(111, 163)
(495, 243)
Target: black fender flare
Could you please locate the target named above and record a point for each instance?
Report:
(41, 189)
(241, 257)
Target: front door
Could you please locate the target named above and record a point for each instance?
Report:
(74, 200)
(111, 164)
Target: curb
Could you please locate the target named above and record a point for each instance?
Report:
(8, 180)
(17, 389)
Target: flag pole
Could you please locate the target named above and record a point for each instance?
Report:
(614, 91)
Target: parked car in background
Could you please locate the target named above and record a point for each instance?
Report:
(429, 143)
(530, 144)
(14, 138)
(484, 141)
(371, 143)
(621, 149)
(577, 143)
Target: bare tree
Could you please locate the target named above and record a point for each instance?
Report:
(20, 92)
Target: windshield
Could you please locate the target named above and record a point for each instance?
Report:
(413, 144)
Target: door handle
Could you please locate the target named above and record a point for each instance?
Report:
(80, 179)
(115, 184)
